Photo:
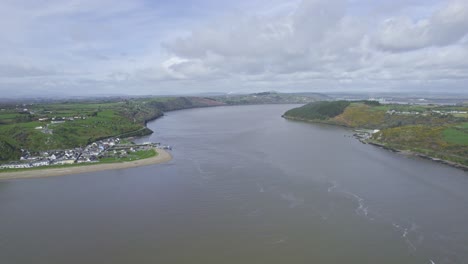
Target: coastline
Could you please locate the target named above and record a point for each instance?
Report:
(420, 155)
(376, 144)
(325, 122)
(163, 156)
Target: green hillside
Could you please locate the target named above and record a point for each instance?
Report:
(7, 150)
(436, 131)
(321, 110)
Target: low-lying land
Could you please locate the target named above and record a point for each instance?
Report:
(439, 132)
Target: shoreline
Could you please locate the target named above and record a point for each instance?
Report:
(322, 122)
(420, 155)
(162, 157)
(376, 144)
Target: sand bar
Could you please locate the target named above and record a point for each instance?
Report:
(163, 156)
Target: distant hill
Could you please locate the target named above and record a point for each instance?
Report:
(271, 98)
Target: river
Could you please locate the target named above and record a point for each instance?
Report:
(244, 186)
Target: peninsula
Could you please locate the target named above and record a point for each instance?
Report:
(437, 132)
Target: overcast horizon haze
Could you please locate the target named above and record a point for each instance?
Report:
(143, 47)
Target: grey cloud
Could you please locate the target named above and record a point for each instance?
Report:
(315, 18)
(444, 27)
(320, 40)
(258, 45)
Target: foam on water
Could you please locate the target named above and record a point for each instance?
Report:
(260, 188)
(406, 232)
(333, 186)
(292, 199)
(255, 212)
(410, 233)
(278, 240)
(361, 210)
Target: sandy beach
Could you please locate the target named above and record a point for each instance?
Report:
(163, 156)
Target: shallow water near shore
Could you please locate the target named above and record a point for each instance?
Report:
(244, 186)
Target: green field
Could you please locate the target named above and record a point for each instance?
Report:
(456, 136)
(101, 120)
(142, 154)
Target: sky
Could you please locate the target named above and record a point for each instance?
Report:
(161, 47)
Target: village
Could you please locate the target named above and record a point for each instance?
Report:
(106, 148)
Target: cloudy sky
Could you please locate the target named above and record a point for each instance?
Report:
(90, 47)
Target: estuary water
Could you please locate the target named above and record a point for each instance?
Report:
(244, 186)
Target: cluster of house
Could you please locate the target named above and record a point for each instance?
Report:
(449, 112)
(90, 153)
(394, 112)
(380, 100)
(46, 158)
(364, 134)
(55, 120)
(58, 120)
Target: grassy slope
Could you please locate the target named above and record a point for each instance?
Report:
(8, 150)
(439, 136)
(361, 115)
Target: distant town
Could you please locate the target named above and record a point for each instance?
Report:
(424, 113)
